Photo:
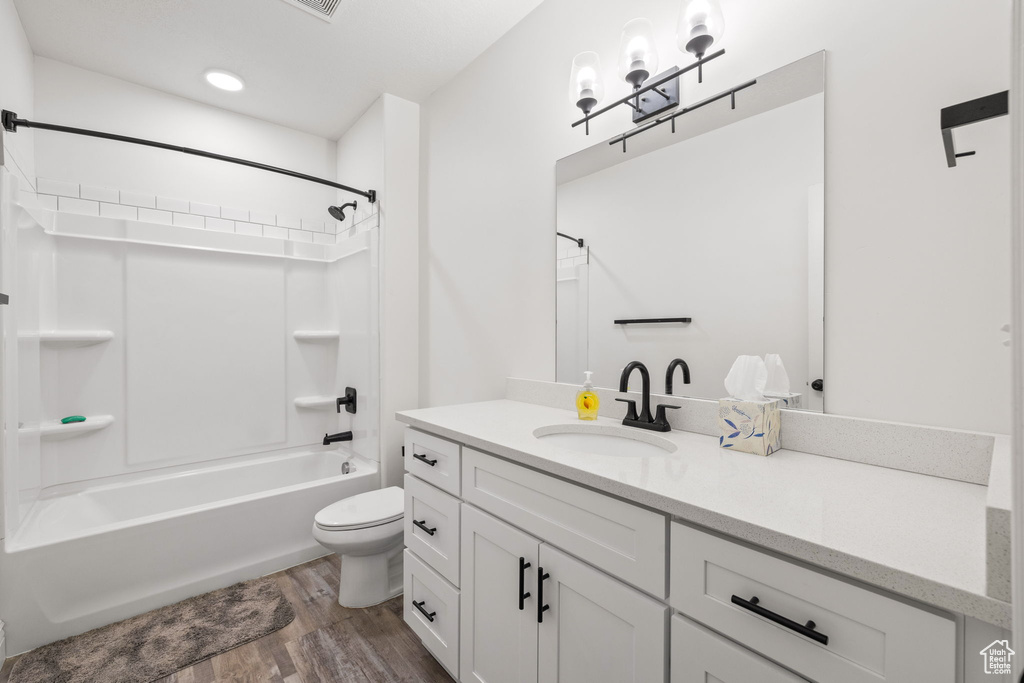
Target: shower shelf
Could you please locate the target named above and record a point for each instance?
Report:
(71, 338)
(317, 335)
(316, 402)
(53, 430)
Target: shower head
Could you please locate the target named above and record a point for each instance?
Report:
(338, 212)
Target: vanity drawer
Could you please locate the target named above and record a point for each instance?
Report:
(699, 656)
(624, 540)
(435, 615)
(870, 637)
(433, 459)
(432, 527)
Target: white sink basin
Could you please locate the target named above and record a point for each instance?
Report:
(611, 440)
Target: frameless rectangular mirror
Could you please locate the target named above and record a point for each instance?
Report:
(702, 244)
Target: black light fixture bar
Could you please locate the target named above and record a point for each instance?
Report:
(577, 240)
(646, 321)
(685, 110)
(11, 123)
(966, 113)
(653, 85)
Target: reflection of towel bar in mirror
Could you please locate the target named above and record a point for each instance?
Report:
(638, 321)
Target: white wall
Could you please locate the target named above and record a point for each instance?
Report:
(381, 151)
(75, 97)
(917, 276)
(16, 90)
(725, 244)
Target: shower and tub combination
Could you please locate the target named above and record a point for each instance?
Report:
(209, 368)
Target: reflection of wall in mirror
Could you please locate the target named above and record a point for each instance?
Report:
(571, 297)
(715, 228)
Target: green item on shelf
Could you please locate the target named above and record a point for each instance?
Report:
(72, 418)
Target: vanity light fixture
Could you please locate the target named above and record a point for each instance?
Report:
(586, 86)
(701, 24)
(638, 61)
(224, 80)
(638, 55)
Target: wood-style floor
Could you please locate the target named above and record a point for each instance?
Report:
(324, 644)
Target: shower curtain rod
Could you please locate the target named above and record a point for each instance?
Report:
(11, 123)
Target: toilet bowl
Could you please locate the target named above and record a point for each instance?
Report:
(365, 531)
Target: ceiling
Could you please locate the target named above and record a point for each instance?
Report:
(299, 70)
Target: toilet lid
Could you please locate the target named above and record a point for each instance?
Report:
(368, 509)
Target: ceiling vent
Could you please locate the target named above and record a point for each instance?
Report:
(324, 9)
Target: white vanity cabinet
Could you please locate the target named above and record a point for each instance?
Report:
(532, 613)
(822, 627)
(529, 578)
(594, 627)
(499, 615)
(701, 656)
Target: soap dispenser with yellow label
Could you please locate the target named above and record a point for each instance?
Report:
(587, 402)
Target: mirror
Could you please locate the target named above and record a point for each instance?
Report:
(704, 244)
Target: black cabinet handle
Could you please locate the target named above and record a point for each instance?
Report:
(423, 458)
(523, 566)
(423, 525)
(818, 385)
(541, 607)
(804, 630)
(419, 605)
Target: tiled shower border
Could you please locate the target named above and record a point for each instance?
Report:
(91, 200)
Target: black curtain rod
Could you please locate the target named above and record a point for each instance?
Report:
(11, 123)
(577, 240)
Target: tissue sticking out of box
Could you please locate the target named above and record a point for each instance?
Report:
(778, 386)
(747, 379)
(778, 380)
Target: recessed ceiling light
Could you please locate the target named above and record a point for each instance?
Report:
(224, 80)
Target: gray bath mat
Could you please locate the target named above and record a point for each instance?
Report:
(158, 643)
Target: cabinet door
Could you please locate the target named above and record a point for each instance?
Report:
(499, 628)
(700, 656)
(596, 629)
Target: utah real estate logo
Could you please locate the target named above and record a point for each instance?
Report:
(998, 657)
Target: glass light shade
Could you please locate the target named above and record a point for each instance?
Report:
(638, 55)
(586, 87)
(701, 25)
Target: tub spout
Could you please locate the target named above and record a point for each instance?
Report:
(340, 436)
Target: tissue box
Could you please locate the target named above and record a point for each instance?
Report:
(749, 426)
(786, 401)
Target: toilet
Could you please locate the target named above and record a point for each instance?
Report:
(365, 531)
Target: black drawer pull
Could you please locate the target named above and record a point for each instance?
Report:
(804, 630)
(423, 458)
(423, 525)
(541, 607)
(419, 605)
(523, 566)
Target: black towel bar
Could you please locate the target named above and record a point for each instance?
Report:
(637, 321)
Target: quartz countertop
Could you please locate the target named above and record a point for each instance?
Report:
(920, 536)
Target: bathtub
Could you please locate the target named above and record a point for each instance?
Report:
(92, 555)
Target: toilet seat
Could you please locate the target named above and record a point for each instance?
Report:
(370, 509)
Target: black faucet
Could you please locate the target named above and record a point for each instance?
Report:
(677, 363)
(340, 436)
(644, 420)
